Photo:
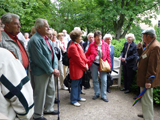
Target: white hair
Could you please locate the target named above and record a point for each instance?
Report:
(39, 23)
(90, 34)
(26, 34)
(77, 28)
(64, 31)
(107, 36)
(7, 18)
(130, 35)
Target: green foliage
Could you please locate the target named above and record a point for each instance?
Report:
(109, 16)
(136, 30)
(156, 95)
(118, 46)
(157, 29)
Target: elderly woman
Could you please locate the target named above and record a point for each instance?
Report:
(53, 36)
(77, 65)
(128, 57)
(107, 38)
(63, 47)
(98, 49)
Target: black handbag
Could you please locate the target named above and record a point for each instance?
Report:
(67, 82)
(86, 78)
(109, 80)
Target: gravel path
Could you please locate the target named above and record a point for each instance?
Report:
(119, 107)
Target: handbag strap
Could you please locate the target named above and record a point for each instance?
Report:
(98, 52)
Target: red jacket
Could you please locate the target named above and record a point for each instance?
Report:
(92, 53)
(77, 61)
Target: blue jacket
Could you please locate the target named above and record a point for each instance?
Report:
(112, 56)
(41, 56)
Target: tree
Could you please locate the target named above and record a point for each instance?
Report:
(29, 11)
(123, 13)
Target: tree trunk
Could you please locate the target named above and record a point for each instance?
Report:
(118, 33)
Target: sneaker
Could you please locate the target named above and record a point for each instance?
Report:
(82, 100)
(64, 87)
(77, 104)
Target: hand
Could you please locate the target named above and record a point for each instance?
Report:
(61, 47)
(148, 85)
(139, 45)
(120, 58)
(123, 59)
(87, 67)
(56, 73)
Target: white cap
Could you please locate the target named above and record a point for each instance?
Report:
(149, 30)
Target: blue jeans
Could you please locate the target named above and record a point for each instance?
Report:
(75, 90)
(103, 77)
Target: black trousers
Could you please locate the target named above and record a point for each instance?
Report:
(128, 74)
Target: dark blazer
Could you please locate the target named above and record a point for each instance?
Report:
(85, 45)
(131, 55)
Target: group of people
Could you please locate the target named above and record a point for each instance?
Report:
(41, 59)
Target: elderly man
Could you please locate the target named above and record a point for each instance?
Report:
(148, 65)
(44, 65)
(66, 36)
(9, 39)
(90, 40)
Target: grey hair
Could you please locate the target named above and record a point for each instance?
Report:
(152, 35)
(39, 23)
(7, 18)
(107, 36)
(130, 35)
(90, 34)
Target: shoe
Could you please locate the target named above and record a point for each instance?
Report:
(77, 104)
(55, 112)
(105, 99)
(140, 115)
(95, 97)
(123, 89)
(56, 101)
(83, 92)
(86, 88)
(82, 100)
(40, 118)
(127, 91)
(108, 90)
(63, 87)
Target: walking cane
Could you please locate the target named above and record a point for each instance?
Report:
(58, 98)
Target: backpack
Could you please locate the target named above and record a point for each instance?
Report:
(65, 59)
(57, 52)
